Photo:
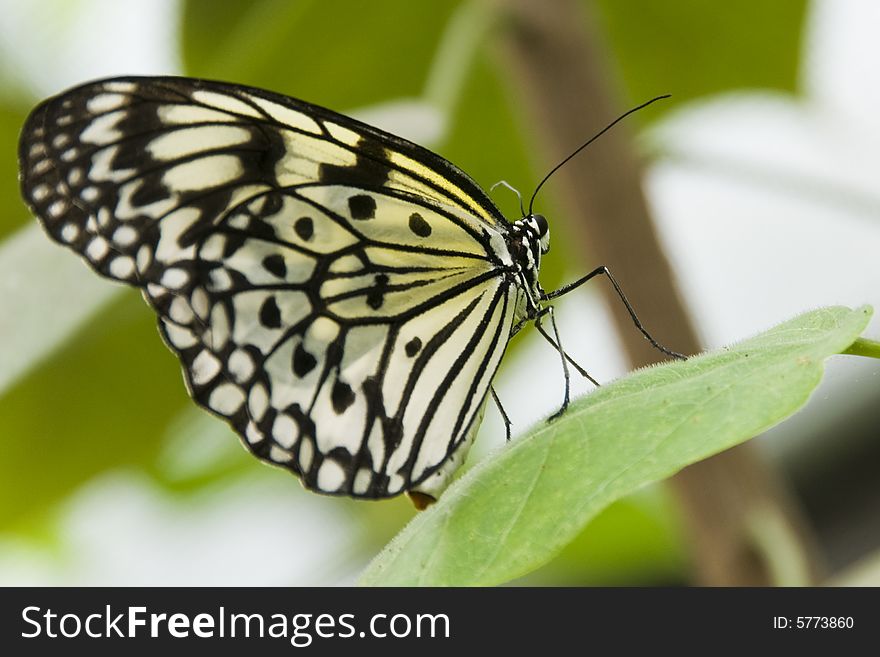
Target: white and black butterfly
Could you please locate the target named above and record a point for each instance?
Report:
(341, 296)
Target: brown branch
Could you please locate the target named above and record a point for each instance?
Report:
(560, 71)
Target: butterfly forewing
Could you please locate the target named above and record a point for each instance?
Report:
(336, 293)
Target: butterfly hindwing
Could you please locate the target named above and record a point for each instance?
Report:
(331, 290)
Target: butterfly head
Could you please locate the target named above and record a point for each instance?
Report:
(541, 231)
(528, 240)
(533, 236)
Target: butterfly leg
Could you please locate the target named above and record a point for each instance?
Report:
(507, 422)
(571, 360)
(558, 344)
(632, 313)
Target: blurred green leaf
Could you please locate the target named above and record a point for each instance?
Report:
(338, 55)
(199, 449)
(691, 48)
(486, 140)
(864, 347)
(103, 401)
(513, 512)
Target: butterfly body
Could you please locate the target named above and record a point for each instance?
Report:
(341, 296)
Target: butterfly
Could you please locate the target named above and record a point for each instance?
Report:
(342, 297)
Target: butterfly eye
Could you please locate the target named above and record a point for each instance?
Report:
(543, 228)
(541, 224)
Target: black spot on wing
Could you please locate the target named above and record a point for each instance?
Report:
(392, 433)
(275, 265)
(342, 397)
(270, 315)
(413, 347)
(304, 227)
(362, 206)
(418, 225)
(370, 168)
(303, 361)
(233, 243)
(152, 190)
(261, 229)
(376, 296)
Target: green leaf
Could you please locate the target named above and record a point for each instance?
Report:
(512, 513)
(635, 541)
(340, 56)
(691, 48)
(864, 347)
(103, 401)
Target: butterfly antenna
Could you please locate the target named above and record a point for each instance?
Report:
(504, 183)
(590, 141)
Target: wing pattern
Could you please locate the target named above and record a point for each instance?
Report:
(341, 296)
